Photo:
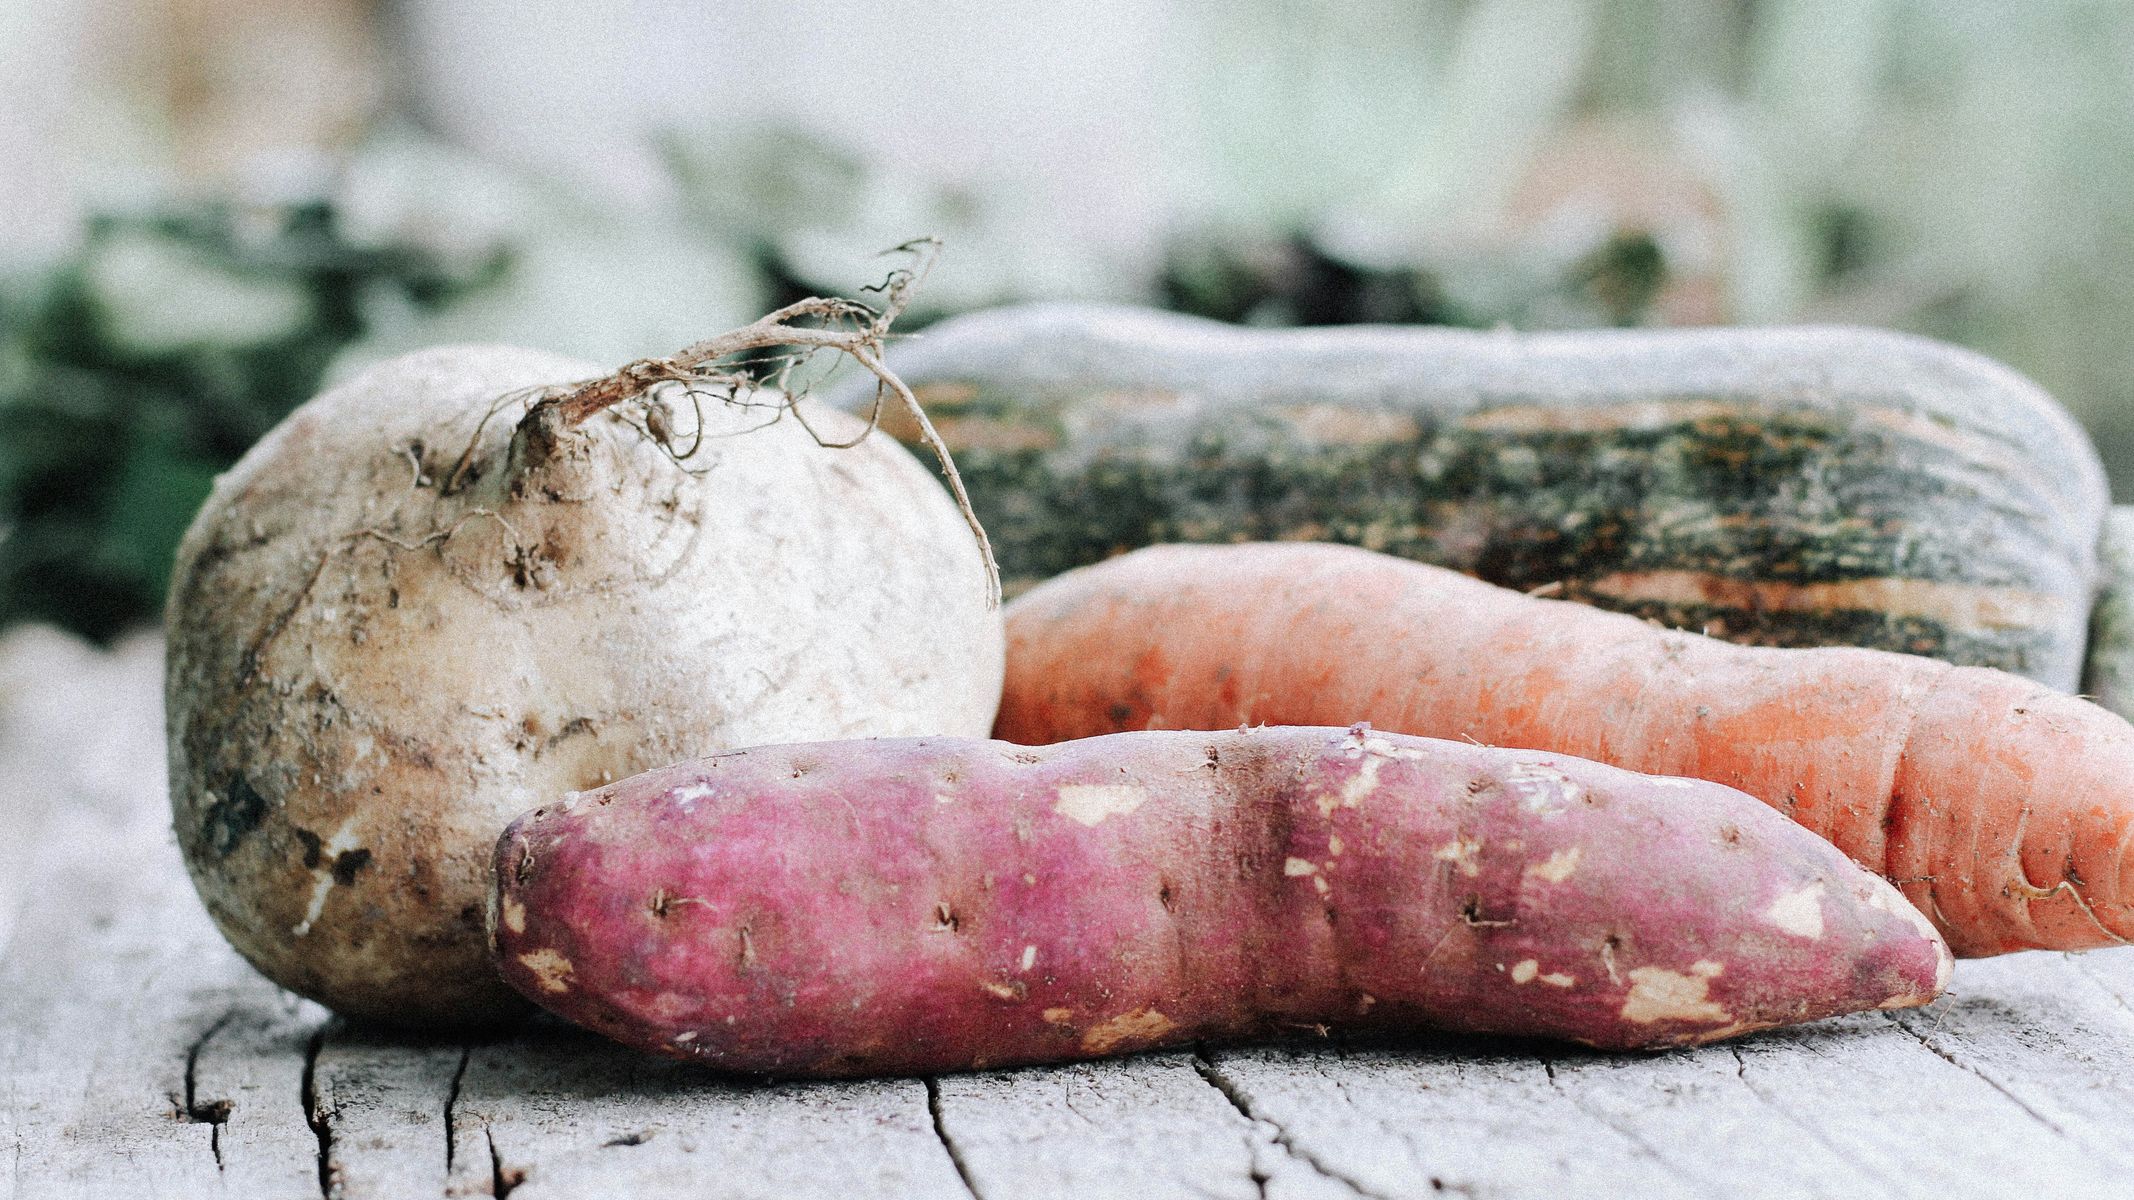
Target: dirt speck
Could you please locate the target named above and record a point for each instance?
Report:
(233, 812)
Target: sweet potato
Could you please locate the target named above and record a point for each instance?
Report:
(924, 904)
(2003, 808)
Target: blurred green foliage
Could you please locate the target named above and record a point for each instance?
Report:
(147, 362)
(1956, 168)
(1297, 281)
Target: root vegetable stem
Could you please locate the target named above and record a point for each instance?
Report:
(808, 326)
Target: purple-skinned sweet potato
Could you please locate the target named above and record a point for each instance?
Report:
(907, 905)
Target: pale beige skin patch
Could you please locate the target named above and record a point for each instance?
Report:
(1659, 994)
(1091, 804)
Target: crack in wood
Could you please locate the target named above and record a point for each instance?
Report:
(503, 1180)
(1281, 1137)
(466, 1053)
(1741, 1072)
(316, 1115)
(1258, 1174)
(1338, 1042)
(1631, 1136)
(948, 1144)
(212, 1113)
(1989, 1080)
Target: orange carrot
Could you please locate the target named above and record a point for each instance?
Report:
(2003, 809)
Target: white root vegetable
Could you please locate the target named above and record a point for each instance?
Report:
(461, 584)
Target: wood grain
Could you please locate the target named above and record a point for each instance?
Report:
(140, 1057)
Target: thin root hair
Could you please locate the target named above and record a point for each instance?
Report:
(798, 331)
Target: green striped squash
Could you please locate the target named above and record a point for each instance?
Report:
(1784, 487)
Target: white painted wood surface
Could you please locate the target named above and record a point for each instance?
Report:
(139, 1057)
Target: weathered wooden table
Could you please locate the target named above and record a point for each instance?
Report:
(140, 1058)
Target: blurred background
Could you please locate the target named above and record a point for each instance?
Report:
(209, 207)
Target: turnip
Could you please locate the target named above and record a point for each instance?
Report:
(461, 584)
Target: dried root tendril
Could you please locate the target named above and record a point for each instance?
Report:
(2020, 886)
(710, 370)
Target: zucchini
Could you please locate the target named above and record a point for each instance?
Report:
(2109, 677)
(1785, 487)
